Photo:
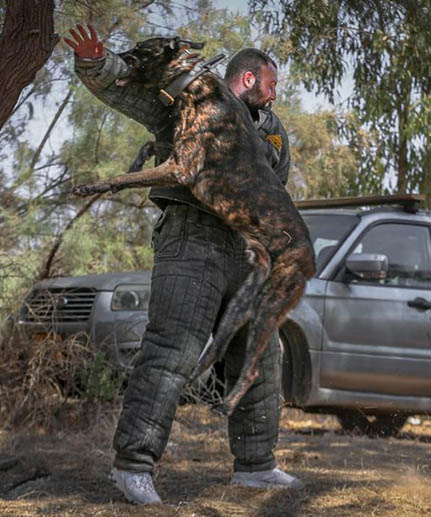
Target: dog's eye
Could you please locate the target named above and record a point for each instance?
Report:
(173, 43)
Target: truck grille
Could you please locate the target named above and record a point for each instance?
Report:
(59, 305)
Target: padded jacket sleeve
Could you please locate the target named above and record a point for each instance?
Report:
(104, 77)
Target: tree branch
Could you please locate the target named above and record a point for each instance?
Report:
(54, 121)
(99, 136)
(46, 268)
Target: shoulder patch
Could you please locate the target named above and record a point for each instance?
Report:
(276, 141)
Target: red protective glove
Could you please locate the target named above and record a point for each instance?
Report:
(86, 46)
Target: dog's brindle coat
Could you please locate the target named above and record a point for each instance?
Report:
(217, 155)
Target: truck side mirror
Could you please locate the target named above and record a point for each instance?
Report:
(368, 266)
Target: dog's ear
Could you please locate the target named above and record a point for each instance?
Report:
(182, 44)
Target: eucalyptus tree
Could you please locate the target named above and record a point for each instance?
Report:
(384, 47)
(322, 164)
(26, 42)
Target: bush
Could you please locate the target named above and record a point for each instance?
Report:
(48, 380)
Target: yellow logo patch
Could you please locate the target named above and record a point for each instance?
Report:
(276, 141)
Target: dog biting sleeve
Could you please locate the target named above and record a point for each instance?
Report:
(100, 73)
(103, 76)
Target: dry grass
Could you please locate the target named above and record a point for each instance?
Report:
(48, 382)
(64, 453)
(38, 377)
(345, 475)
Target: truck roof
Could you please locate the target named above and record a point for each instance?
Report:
(409, 203)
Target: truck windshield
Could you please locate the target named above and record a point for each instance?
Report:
(327, 231)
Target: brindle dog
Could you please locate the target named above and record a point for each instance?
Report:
(217, 154)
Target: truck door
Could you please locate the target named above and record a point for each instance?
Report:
(378, 333)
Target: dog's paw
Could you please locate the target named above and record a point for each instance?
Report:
(82, 190)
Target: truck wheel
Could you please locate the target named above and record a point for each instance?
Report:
(296, 366)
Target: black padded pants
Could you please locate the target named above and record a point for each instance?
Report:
(198, 265)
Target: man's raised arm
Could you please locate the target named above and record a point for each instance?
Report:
(103, 71)
(97, 67)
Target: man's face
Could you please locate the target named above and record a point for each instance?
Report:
(263, 91)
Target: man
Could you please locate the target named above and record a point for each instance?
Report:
(199, 263)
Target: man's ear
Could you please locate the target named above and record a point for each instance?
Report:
(248, 79)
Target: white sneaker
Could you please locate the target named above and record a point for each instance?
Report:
(137, 487)
(274, 478)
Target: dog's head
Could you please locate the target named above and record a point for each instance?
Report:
(155, 62)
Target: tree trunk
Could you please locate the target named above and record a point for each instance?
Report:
(26, 43)
(402, 165)
(426, 183)
(402, 159)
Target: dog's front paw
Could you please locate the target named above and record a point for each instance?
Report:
(82, 190)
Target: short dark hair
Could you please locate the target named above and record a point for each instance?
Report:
(248, 59)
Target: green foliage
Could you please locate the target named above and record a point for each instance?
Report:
(114, 232)
(102, 381)
(386, 47)
(220, 29)
(104, 143)
(322, 166)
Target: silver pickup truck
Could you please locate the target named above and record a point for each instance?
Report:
(358, 345)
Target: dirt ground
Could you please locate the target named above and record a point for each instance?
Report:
(65, 474)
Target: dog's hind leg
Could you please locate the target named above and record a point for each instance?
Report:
(281, 292)
(239, 309)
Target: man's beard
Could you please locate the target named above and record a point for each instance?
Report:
(254, 98)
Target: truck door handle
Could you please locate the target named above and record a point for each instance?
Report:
(419, 303)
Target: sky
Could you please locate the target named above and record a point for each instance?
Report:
(233, 5)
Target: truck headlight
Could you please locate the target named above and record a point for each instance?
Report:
(129, 297)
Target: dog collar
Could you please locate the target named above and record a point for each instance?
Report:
(168, 95)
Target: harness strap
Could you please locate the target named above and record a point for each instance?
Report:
(167, 96)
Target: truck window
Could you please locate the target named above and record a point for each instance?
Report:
(407, 247)
(327, 232)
